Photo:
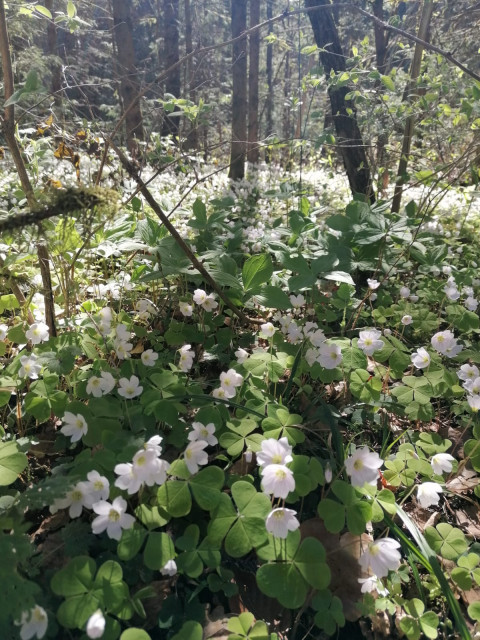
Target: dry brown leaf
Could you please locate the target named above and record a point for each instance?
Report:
(466, 481)
(469, 519)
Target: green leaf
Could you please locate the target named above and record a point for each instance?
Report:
(283, 582)
(76, 578)
(12, 462)
(388, 82)
(44, 11)
(474, 611)
(135, 634)
(190, 630)
(310, 561)
(158, 550)
(131, 542)
(256, 271)
(365, 387)
(447, 541)
(174, 496)
(429, 624)
(273, 298)
(206, 486)
(332, 514)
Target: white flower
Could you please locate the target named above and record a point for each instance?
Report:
(112, 518)
(311, 356)
(404, 292)
(317, 337)
(380, 557)
(154, 444)
(129, 388)
(186, 309)
(148, 468)
(75, 500)
(94, 387)
(329, 356)
(274, 452)
(33, 623)
(406, 320)
(203, 432)
(472, 386)
(241, 355)
(267, 330)
(96, 488)
(122, 349)
(471, 303)
(363, 466)
(297, 301)
(373, 297)
(474, 403)
(122, 333)
(199, 296)
(106, 314)
(37, 333)
(3, 331)
(372, 583)
(96, 625)
(195, 456)
(169, 569)
(127, 479)
(328, 473)
(413, 298)
(107, 383)
(369, 342)
(451, 291)
(75, 425)
(443, 340)
(278, 480)
(442, 463)
(30, 367)
(149, 357)
(186, 358)
(446, 270)
(219, 393)
(280, 521)
(229, 381)
(468, 372)
(104, 328)
(428, 494)
(373, 284)
(420, 358)
(209, 304)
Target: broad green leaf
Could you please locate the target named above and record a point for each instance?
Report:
(446, 540)
(158, 550)
(12, 462)
(256, 271)
(283, 582)
(174, 496)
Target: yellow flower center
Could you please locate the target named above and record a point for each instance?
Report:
(281, 474)
(113, 515)
(358, 465)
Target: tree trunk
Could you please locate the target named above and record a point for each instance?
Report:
(269, 65)
(349, 138)
(380, 38)
(129, 84)
(56, 84)
(254, 66)
(171, 55)
(192, 137)
(239, 92)
(410, 123)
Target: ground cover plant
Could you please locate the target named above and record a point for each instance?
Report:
(313, 465)
(236, 400)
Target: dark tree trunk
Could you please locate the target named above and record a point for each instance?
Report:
(171, 55)
(349, 138)
(239, 92)
(192, 137)
(126, 67)
(380, 38)
(269, 65)
(56, 84)
(254, 66)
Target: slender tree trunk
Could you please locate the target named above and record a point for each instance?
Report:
(239, 92)
(380, 38)
(349, 138)
(129, 84)
(192, 137)
(423, 30)
(56, 84)
(171, 55)
(8, 127)
(254, 66)
(269, 69)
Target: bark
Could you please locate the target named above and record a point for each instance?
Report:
(126, 68)
(56, 84)
(192, 137)
(349, 138)
(171, 56)
(239, 92)
(423, 29)
(254, 66)
(269, 65)
(380, 38)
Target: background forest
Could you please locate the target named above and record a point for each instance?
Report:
(239, 330)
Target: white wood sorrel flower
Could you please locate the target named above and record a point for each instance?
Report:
(274, 452)
(112, 518)
(96, 625)
(278, 480)
(74, 426)
(442, 463)
(380, 557)
(280, 521)
(129, 387)
(203, 432)
(195, 456)
(363, 466)
(33, 623)
(428, 494)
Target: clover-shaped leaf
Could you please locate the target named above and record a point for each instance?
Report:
(446, 540)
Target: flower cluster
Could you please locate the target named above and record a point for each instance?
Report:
(186, 357)
(146, 468)
(205, 301)
(445, 343)
(201, 436)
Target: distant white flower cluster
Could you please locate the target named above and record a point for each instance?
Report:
(201, 436)
(229, 382)
(146, 468)
(200, 298)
